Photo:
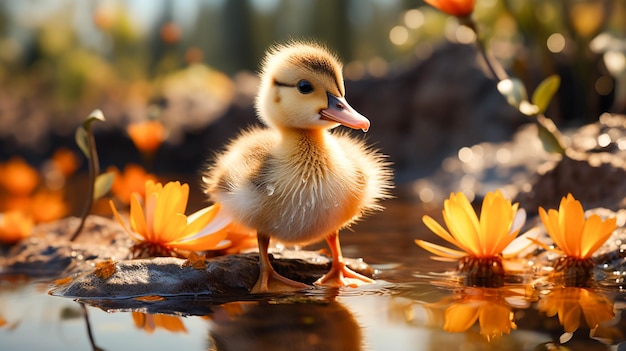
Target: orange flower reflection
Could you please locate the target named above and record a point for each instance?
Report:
(18, 177)
(15, 226)
(150, 322)
(132, 180)
(574, 305)
(458, 8)
(486, 306)
(147, 135)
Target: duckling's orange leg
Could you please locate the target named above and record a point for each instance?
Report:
(339, 274)
(269, 281)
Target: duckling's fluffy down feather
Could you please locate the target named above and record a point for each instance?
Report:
(298, 187)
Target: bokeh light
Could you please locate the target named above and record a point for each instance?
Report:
(556, 42)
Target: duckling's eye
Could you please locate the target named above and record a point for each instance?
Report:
(304, 87)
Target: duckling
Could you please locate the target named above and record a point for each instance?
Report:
(293, 180)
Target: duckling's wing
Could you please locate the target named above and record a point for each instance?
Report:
(241, 162)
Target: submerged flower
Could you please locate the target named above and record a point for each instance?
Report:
(15, 226)
(574, 305)
(458, 8)
(160, 226)
(483, 237)
(576, 236)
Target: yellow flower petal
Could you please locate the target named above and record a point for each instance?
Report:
(461, 223)
(440, 250)
(137, 218)
(130, 233)
(441, 232)
(172, 199)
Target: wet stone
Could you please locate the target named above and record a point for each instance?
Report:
(164, 276)
(49, 254)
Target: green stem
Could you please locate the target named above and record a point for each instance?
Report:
(498, 72)
(94, 169)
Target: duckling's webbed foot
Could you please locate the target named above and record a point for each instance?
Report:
(340, 275)
(269, 281)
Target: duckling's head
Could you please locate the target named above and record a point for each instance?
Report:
(302, 87)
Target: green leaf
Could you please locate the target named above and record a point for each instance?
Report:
(513, 90)
(103, 184)
(545, 91)
(95, 115)
(548, 134)
(81, 140)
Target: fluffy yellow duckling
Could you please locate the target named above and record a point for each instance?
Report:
(295, 181)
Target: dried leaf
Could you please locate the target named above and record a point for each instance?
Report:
(63, 281)
(150, 298)
(105, 269)
(195, 261)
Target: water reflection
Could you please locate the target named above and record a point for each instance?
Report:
(577, 308)
(573, 317)
(491, 309)
(312, 325)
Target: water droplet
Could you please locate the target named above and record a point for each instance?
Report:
(270, 189)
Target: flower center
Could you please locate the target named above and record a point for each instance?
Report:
(571, 271)
(485, 272)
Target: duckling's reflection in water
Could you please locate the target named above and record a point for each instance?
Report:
(287, 326)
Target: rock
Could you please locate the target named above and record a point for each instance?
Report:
(49, 253)
(223, 275)
(593, 169)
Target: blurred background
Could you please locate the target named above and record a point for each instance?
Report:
(191, 65)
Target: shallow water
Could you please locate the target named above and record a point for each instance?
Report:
(407, 309)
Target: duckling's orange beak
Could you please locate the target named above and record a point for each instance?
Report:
(340, 111)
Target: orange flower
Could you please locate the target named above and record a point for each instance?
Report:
(48, 206)
(15, 226)
(147, 135)
(150, 322)
(170, 33)
(576, 236)
(162, 225)
(481, 238)
(133, 180)
(574, 304)
(458, 8)
(65, 161)
(18, 177)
